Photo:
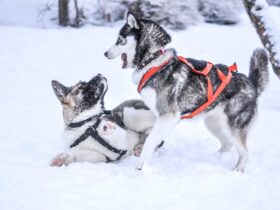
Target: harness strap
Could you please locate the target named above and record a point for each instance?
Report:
(82, 122)
(211, 96)
(233, 67)
(219, 90)
(149, 74)
(91, 131)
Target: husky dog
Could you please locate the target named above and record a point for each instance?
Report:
(176, 90)
(83, 105)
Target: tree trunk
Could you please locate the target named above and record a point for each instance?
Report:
(267, 31)
(63, 12)
(78, 16)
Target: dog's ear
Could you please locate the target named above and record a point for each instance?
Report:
(60, 91)
(132, 21)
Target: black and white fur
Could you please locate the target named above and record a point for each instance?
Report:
(85, 100)
(176, 89)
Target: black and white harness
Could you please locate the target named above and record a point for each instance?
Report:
(92, 132)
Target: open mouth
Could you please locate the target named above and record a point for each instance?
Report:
(124, 60)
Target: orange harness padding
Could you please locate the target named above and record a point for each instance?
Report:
(211, 96)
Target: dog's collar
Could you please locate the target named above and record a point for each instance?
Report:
(150, 58)
(90, 119)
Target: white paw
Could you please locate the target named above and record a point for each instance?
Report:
(137, 150)
(60, 159)
(239, 169)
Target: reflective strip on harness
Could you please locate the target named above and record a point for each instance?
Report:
(210, 95)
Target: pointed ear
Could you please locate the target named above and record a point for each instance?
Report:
(132, 21)
(60, 90)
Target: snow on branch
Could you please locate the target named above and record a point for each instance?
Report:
(267, 29)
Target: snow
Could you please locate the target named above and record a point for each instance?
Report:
(185, 174)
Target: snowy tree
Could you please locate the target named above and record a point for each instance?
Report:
(176, 14)
(268, 31)
(79, 14)
(102, 12)
(220, 11)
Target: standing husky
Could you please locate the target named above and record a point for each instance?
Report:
(83, 105)
(176, 90)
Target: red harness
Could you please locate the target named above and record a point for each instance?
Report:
(225, 79)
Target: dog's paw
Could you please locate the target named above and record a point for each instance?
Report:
(239, 169)
(59, 160)
(137, 150)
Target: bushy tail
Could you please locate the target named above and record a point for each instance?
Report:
(258, 73)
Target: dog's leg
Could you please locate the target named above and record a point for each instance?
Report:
(240, 144)
(238, 140)
(217, 122)
(162, 126)
(214, 124)
(77, 155)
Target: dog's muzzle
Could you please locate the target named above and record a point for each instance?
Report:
(106, 54)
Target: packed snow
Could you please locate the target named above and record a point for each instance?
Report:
(185, 174)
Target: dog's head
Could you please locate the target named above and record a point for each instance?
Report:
(82, 97)
(137, 38)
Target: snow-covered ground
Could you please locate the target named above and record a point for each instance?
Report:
(185, 174)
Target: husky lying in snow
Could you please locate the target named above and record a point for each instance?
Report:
(176, 90)
(97, 135)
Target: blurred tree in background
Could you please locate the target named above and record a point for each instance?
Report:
(175, 14)
(63, 12)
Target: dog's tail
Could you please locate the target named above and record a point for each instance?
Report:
(258, 74)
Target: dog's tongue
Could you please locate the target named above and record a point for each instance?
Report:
(124, 60)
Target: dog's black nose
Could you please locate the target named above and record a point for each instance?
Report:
(106, 54)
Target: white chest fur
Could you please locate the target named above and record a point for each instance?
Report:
(149, 97)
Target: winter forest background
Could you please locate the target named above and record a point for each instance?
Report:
(175, 14)
(65, 40)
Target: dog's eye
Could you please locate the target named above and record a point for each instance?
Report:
(121, 40)
(76, 92)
